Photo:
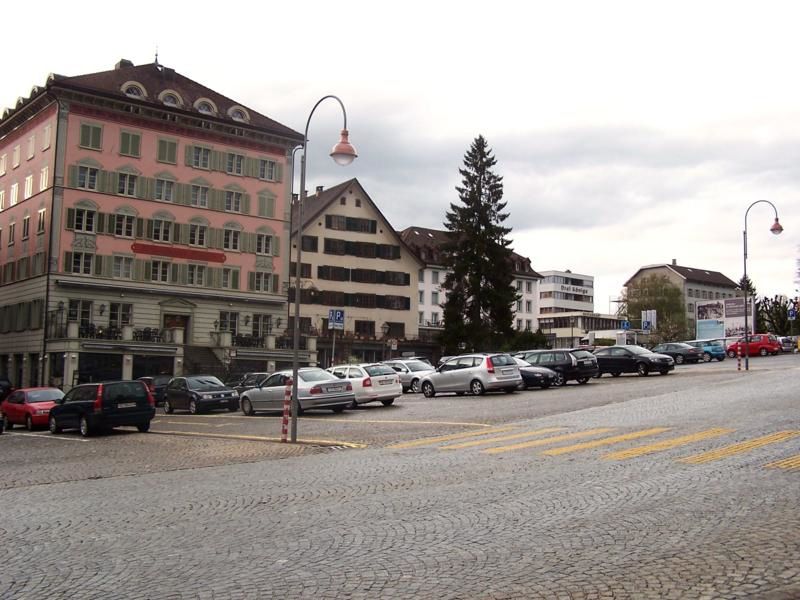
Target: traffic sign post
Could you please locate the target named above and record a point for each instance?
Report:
(792, 314)
(626, 325)
(335, 321)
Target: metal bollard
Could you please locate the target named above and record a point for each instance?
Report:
(287, 406)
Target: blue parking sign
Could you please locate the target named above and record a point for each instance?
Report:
(336, 319)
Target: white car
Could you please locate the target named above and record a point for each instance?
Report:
(411, 372)
(372, 382)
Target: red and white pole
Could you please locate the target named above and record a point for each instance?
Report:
(739, 357)
(287, 406)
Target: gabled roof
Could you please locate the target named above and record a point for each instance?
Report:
(693, 274)
(428, 243)
(156, 78)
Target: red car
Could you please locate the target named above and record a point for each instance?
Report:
(29, 406)
(758, 344)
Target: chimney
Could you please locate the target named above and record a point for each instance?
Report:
(319, 189)
(674, 262)
(123, 63)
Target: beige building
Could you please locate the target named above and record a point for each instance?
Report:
(353, 260)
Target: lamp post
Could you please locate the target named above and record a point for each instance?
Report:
(776, 229)
(343, 154)
(384, 331)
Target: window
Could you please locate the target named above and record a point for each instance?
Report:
(230, 278)
(80, 310)
(519, 286)
(519, 305)
(435, 298)
(46, 136)
(310, 243)
(14, 192)
(44, 178)
(15, 157)
(199, 196)
(266, 170)
(2, 199)
(123, 267)
(167, 152)
(528, 287)
(233, 201)
(528, 306)
(41, 220)
(91, 137)
(262, 324)
(87, 178)
(84, 220)
(690, 308)
(434, 277)
(421, 275)
(159, 271)
(124, 226)
(422, 297)
(120, 314)
(130, 143)
(235, 164)
(527, 324)
(229, 321)
(201, 157)
(3, 164)
(434, 318)
(230, 240)
(28, 187)
(197, 275)
(263, 243)
(197, 235)
(127, 184)
(161, 230)
(261, 282)
(26, 227)
(31, 146)
(82, 263)
(206, 108)
(11, 229)
(164, 190)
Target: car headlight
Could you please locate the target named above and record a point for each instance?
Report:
(41, 411)
(206, 396)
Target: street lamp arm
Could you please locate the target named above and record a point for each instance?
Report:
(311, 114)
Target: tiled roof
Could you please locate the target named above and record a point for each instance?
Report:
(156, 78)
(693, 274)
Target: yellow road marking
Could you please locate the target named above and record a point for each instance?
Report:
(504, 438)
(791, 463)
(666, 444)
(550, 440)
(605, 441)
(745, 446)
(258, 438)
(447, 438)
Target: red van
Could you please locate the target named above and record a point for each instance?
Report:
(759, 343)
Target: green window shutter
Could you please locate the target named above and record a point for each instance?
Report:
(183, 274)
(250, 167)
(278, 171)
(70, 218)
(138, 269)
(216, 199)
(111, 224)
(184, 233)
(72, 176)
(102, 181)
(172, 153)
(97, 136)
(67, 262)
(274, 283)
(183, 193)
(214, 276)
(100, 225)
(218, 160)
(251, 281)
(136, 144)
(149, 235)
(235, 279)
(276, 245)
(270, 207)
(148, 270)
(246, 204)
(112, 182)
(139, 227)
(173, 273)
(86, 135)
(189, 155)
(161, 151)
(108, 265)
(262, 205)
(125, 143)
(98, 264)
(176, 234)
(142, 183)
(219, 238)
(248, 242)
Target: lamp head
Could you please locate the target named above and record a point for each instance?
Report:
(776, 228)
(344, 153)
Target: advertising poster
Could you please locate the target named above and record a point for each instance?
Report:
(734, 317)
(722, 318)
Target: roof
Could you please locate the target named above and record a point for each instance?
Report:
(155, 79)
(692, 274)
(428, 243)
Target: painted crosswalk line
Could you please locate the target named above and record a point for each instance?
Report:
(502, 438)
(791, 464)
(447, 438)
(739, 448)
(666, 444)
(605, 441)
(550, 440)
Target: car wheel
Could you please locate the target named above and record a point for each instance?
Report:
(706, 357)
(679, 359)
(583, 380)
(353, 404)
(338, 409)
(247, 407)
(388, 402)
(28, 423)
(731, 354)
(427, 390)
(53, 425)
(7, 425)
(560, 379)
(85, 430)
(415, 386)
(168, 407)
(763, 352)
(476, 387)
(143, 427)
(616, 374)
(193, 407)
(642, 370)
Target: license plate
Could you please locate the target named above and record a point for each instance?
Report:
(508, 371)
(386, 381)
(127, 405)
(334, 388)
(586, 363)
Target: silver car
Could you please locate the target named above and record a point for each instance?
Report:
(316, 389)
(475, 373)
(411, 372)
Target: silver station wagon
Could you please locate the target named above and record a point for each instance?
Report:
(475, 373)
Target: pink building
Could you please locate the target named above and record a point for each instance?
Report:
(144, 226)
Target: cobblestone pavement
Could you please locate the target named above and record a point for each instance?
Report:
(688, 491)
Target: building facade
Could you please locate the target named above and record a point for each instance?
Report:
(143, 229)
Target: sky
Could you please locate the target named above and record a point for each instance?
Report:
(626, 133)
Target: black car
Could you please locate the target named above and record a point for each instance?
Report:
(532, 376)
(632, 359)
(680, 352)
(94, 407)
(199, 393)
(569, 365)
(157, 385)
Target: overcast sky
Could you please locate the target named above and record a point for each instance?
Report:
(627, 133)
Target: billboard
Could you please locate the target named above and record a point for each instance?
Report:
(722, 318)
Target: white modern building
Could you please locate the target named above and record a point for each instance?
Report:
(565, 291)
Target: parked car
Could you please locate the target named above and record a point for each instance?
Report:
(533, 376)
(632, 359)
(316, 388)
(92, 407)
(757, 344)
(476, 373)
(680, 352)
(788, 344)
(711, 349)
(248, 381)
(411, 371)
(157, 385)
(29, 407)
(371, 382)
(199, 393)
(569, 365)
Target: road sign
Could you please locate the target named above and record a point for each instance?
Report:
(626, 325)
(646, 325)
(336, 319)
(792, 314)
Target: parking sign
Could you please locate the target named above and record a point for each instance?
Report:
(336, 319)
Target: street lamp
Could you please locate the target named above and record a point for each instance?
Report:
(343, 154)
(776, 229)
(384, 331)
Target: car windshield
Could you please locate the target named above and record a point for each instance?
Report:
(418, 365)
(44, 396)
(638, 350)
(317, 375)
(379, 370)
(203, 383)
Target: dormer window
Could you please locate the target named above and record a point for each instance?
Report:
(205, 108)
(170, 100)
(238, 113)
(133, 89)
